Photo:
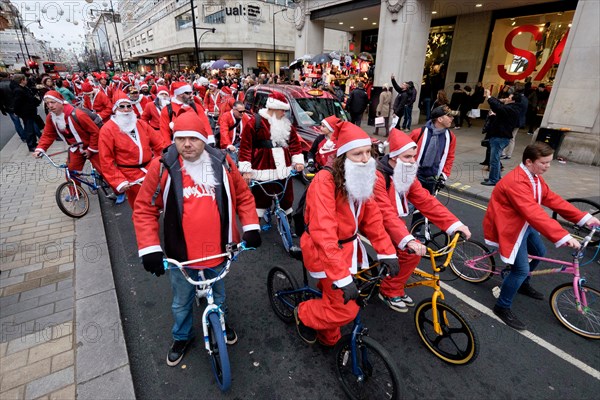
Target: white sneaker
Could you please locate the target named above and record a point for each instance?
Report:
(395, 303)
(407, 300)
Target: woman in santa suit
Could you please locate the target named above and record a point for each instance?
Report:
(395, 188)
(323, 148)
(338, 206)
(127, 146)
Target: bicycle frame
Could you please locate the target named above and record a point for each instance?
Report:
(275, 196)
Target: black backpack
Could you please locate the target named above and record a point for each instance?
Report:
(92, 114)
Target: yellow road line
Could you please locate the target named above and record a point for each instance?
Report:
(465, 201)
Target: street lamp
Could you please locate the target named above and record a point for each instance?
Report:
(112, 11)
(20, 22)
(274, 56)
(196, 40)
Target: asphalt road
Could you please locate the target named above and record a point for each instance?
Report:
(271, 362)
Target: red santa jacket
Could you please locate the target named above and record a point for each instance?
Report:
(232, 195)
(211, 102)
(231, 134)
(394, 206)
(332, 219)
(264, 162)
(123, 159)
(140, 105)
(108, 91)
(448, 154)
(99, 103)
(226, 104)
(84, 131)
(152, 115)
(167, 119)
(516, 203)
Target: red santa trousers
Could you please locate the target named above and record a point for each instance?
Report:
(132, 193)
(328, 313)
(263, 201)
(394, 287)
(76, 161)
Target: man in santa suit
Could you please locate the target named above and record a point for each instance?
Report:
(236, 93)
(201, 192)
(231, 125)
(396, 187)
(200, 87)
(339, 205)
(127, 145)
(95, 100)
(270, 152)
(212, 100)
(182, 100)
(323, 148)
(515, 219)
(104, 86)
(77, 85)
(226, 101)
(137, 100)
(145, 91)
(153, 109)
(81, 129)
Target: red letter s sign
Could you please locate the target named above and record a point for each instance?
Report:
(529, 56)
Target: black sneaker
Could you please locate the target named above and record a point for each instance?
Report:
(528, 290)
(510, 319)
(309, 335)
(177, 351)
(232, 337)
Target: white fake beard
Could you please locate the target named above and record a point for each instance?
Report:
(126, 121)
(404, 176)
(59, 121)
(360, 179)
(201, 171)
(164, 101)
(280, 129)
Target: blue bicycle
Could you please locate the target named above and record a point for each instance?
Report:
(364, 368)
(283, 226)
(213, 317)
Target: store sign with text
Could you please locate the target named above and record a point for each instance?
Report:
(217, 14)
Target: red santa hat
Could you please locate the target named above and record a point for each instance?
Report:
(159, 80)
(399, 142)
(116, 78)
(331, 122)
(182, 78)
(277, 101)
(234, 86)
(54, 96)
(121, 98)
(226, 91)
(178, 88)
(103, 76)
(188, 124)
(349, 137)
(87, 88)
(148, 77)
(213, 83)
(163, 89)
(144, 85)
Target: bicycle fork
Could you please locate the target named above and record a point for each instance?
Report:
(437, 326)
(356, 368)
(210, 308)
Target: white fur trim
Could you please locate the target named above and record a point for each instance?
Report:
(121, 185)
(386, 256)
(171, 125)
(269, 174)
(116, 105)
(324, 122)
(585, 219)
(261, 212)
(401, 150)
(563, 240)
(63, 101)
(251, 227)
(162, 91)
(404, 241)
(298, 159)
(353, 145)
(245, 166)
(229, 206)
(275, 104)
(182, 90)
(340, 283)
(281, 169)
(92, 150)
(318, 275)
(452, 229)
(195, 134)
(149, 250)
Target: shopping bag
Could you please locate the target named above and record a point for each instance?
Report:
(379, 122)
(394, 121)
(474, 113)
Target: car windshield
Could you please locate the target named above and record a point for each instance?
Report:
(311, 111)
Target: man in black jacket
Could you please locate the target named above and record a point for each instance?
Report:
(357, 103)
(507, 118)
(26, 105)
(401, 102)
(7, 103)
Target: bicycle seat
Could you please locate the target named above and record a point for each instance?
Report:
(296, 253)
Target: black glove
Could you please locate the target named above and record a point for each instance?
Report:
(350, 292)
(392, 266)
(252, 238)
(153, 263)
(441, 183)
(310, 167)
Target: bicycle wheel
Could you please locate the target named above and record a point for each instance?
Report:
(564, 307)
(280, 280)
(457, 344)
(219, 357)
(283, 227)
(381, 379)
(579, 232)
(464, 265)
(430, 235)
(69, 203)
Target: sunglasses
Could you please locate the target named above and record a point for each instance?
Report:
(123, 106)
(188, 93)
(134, 92)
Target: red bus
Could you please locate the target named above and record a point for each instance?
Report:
(55, 69)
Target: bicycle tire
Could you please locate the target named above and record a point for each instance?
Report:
(579, 232)
(219, 357)
(467, 250)
(283, 227)
(279, 280)
(457, 345)
(564, 307)
(437, 238)
(381, 376)
(75, 208)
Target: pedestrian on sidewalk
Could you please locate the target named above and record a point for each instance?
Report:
(201, 192)
(7, 104)
(384, 108)
(400, 103)
(515, 219)
(458, 102)
(26, 104)
(507, 154)
(357, 103)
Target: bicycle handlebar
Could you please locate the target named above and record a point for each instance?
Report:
(254, 182)
(586, 241)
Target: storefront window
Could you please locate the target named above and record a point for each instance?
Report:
(437, 56)
(526, 49)
(264, 61)
(183, 21)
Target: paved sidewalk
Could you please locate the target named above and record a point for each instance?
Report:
(568, 180)
(61, 335)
